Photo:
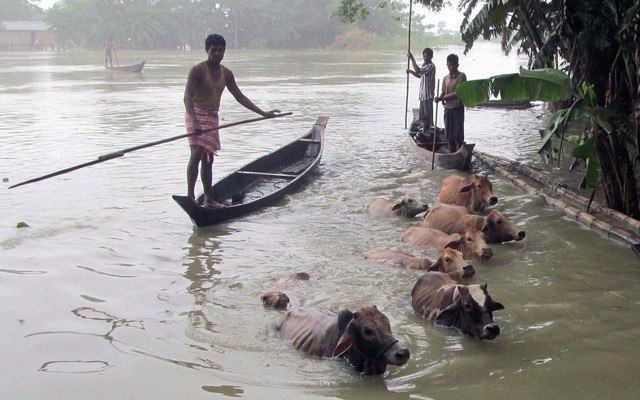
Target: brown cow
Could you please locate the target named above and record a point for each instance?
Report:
(468, 308)
(409, 206)
(471, 242)
(449, 261)
(363, 337)
(497, 228)
(474, 194)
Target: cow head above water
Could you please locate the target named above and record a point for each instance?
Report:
(497, 228)
(471, 243)
(480, 190)
(472, 309)
(367, 341)
(451, 261)
(410, 206)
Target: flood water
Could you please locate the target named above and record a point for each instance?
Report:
(111, 293)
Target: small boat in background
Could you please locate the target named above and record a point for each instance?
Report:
(441, 158)
(507, 104)
(262, 182)
(135, 68)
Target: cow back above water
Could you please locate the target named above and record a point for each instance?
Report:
(497, 228)
(468, 308)
(409, 206)
(363, 337)
(449, 261)
(474, 193)
(471, 242)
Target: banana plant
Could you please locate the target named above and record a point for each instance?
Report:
(549, 85)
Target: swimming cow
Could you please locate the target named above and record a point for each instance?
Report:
(474, 194)
(409, 206)
(449, 261)
(468, 308)
(363, 338)
(470, 242)
(497, 228)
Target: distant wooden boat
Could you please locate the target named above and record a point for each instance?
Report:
(507, 104)
(262, 182)
(135, 68)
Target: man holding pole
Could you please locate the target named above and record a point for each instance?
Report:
(205, 83)
(427, 75)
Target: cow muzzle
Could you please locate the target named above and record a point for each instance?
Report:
(493, 200)
(397, 354)
(490, 331)
(487, 253)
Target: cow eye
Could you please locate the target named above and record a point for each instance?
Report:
(447, 259)
(467, 306)
(367, 331)
(469, 239)
(499, 221)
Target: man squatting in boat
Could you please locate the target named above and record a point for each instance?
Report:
(205, 83)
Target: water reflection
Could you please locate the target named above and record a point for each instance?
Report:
(203, 255)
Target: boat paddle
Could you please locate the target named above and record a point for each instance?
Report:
(120, 153)
(435, 131)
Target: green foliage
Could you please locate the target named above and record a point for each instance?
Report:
(162, 24)
(538, 85)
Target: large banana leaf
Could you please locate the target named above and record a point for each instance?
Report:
(547, 84)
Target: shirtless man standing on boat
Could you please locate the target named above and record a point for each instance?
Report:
(205, 84)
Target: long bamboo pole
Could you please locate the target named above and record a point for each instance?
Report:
(406, 105)
(120, 153)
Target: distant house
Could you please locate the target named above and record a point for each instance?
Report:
(25, 35)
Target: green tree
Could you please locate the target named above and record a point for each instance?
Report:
(17, 10)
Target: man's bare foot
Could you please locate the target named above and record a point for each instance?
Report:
(194, 201)
(210, 203)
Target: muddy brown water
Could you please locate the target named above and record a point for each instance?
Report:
(111, 293)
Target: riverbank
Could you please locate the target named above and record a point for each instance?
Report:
(560, 195)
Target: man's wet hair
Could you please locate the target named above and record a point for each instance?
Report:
(214, 40)
(452, 58)
(428, 51)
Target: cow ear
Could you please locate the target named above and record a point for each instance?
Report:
(455, 241)
(344, 344)
(436, 267)
(466, 188)
(496, 305)
(396, 206)
(486, 226)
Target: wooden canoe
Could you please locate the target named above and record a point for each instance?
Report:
(136, 68)
(460, 160)
(262, 182)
